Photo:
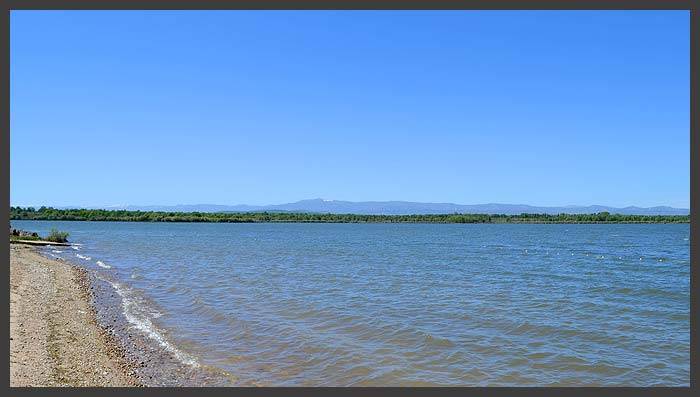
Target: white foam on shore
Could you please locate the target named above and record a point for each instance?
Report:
(103, 265)
(87, 258)
(143, 324)
(57, 251)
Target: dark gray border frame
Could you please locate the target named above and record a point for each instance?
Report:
(351, 5)
(691, 5)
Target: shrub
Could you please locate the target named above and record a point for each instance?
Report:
(23, 238)
(57, 237)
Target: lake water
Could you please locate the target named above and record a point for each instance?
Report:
(404, 304)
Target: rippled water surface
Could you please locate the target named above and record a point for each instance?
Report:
(405, 304)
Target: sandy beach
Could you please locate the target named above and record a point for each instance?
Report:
(54, 337)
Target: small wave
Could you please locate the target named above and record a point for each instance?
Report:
(103, 265)
(57, 251)
(437, 341)
(129, 307)
(87, 258)
(75, 248)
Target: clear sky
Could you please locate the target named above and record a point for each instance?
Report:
(256, 107)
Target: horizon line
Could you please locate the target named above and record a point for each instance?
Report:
(105, 206)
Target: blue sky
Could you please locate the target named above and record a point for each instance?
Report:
(260, 107)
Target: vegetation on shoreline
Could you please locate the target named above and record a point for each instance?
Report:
(57, 237)
(19, 235)
(48, 213)
(54, 236)
(24, 238)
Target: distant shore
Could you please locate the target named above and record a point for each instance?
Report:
(18, 213)
(54, 337)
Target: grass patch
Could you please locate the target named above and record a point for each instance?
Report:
(57, 237)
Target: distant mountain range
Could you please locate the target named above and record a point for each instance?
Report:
(404, 208)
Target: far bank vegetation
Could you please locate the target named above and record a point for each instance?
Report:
(48, 213)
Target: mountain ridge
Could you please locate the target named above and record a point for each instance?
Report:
(399, 208)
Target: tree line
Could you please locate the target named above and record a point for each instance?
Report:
(49, 213)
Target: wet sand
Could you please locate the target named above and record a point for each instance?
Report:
(68, 328)
(55, 339)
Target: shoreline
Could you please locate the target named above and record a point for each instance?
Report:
(39, 243)
(90, 341)
(55, 339)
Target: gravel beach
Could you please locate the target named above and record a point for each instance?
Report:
(54, 337)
